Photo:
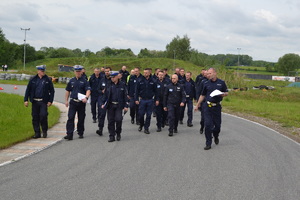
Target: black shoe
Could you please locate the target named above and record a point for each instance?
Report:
(163, 126)
(80, 136)
(146, 131)
(132, 121)
(36, 136)
(170, 133)
(158, 130)
(99, 132)
(140, 128)
(180, 122)
(154, 114)
(190, 125)
(111, 140)
(45, 135)
(216, 140)
(167, 123)
(201, 131)
(118, 137)
(94, 121)
(175, 131)
(68, 137)
(207, 148)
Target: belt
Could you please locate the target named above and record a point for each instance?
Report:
(210, 104)
(146, 98)
(37, 99)
(115, 102)
(76, 100)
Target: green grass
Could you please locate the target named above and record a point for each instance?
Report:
(15, 120)
(280, 105)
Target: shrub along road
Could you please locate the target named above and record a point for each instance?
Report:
(251, 162)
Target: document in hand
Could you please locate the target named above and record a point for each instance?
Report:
(216, 93)
(82, 96)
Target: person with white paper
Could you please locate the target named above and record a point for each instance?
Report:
(78, 89)
(213, 92)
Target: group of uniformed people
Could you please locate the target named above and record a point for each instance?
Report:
(113, 93)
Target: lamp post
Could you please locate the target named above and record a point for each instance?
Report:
(239, 49)
(25, 29)
(174, 59)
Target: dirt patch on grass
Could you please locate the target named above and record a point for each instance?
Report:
(291, 132)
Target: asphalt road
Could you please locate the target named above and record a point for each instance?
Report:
(251, 162)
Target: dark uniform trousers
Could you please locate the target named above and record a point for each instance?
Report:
(134, 109)
(189, 105)
(74, 107)
(145, 107)
(173, 116)
(39, 116)
(94, 105)
(202, 115)
(114, 117)
(212, 122)
(161, 115)
(101, 114)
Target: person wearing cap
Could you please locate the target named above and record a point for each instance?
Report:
(212, 107)
(94, 83)
(76, 85)
(145, 96)
(40, 91)
(115, 101)
(103, 84)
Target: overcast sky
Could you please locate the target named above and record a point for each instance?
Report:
(263, 29)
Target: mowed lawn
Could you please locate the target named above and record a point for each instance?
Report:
(281, 105)
(16, 121)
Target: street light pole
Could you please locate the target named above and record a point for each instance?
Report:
(174, 59)
(25, 29)
(239, 49)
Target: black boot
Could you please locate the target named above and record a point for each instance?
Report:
(99, 132)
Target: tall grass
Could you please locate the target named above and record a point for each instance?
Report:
(15, 120)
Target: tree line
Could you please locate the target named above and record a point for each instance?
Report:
(179, 48)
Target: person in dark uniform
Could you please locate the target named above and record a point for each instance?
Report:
(199, 78)
(104, 83)
(94, 82)
(181, 77)
(116, 100)
(174, 98)
(189, 88)
(161, 115)
(134, 108)
(145, 95)
(199, 88)
(212, 108)
(83, 75)
(124, 74)
(77, 86)
(165, 70)
(40, 91)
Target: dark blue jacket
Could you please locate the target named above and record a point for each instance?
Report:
(161, 85)
(76, 86)
(174, 94)
(189, 87)
(121, 90)
(48, 89)
(210, 86)
(145, 89)
(94, 83)
(132, 84)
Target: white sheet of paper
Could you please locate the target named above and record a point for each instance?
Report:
(81, 96)
(216, 93)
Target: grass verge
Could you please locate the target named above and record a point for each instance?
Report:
(15, 120)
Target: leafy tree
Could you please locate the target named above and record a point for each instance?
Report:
(180, 47)
(288, 62)
(77, 52)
